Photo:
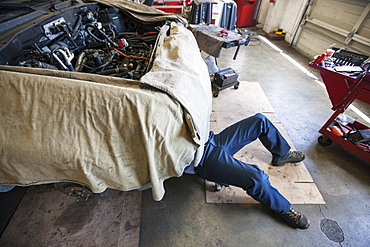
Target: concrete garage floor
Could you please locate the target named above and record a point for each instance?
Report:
(183, 218)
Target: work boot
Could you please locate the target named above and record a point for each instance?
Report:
(290, 157)
(295, 219)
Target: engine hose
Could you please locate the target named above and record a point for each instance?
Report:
(91, 34)
(126, 74)
(81, 60)
(113, 71)
(33, 63)
(77, 24)
(146, 39)
(103, 65)
(82, 64)
(133, 57)
(67, 58)
(109, 40)
(113, 34)
(140, 45)
(47, 66)
(59, 61)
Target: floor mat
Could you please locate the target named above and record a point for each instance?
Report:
(292, 180)
(46, 217)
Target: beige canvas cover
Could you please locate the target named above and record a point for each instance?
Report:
(106, 132)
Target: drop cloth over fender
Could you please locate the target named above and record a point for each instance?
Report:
(105, 132)
(56, 129)
(180, 71)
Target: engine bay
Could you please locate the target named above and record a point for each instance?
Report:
(91, 38)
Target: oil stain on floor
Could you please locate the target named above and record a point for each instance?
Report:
(332, 230)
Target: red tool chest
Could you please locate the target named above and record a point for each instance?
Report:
(343, 88)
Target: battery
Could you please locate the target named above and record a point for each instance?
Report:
(225, 77)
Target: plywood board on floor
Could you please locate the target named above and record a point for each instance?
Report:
(46, 217)
(292, 180)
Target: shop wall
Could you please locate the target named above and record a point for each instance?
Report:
(312, 26)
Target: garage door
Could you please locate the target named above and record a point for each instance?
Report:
(344, 23)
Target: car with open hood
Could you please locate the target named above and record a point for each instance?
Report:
(103, 94)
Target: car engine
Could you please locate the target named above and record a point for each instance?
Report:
(90, 38)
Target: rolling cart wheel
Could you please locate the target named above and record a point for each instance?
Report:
(215, 94)
(236, 86)
(324, 141)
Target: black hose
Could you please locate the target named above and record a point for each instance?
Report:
(103, 65)
(91, 34)
(106, 38)
(114, 71)
(77, 24)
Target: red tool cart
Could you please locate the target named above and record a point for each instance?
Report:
(344, 85)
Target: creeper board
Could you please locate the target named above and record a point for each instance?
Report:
(292, 180)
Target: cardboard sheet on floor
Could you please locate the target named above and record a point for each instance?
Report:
(46, 217)
(293, 181)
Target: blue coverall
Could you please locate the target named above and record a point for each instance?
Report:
(219, 165)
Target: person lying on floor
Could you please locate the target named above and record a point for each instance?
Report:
(218, 164)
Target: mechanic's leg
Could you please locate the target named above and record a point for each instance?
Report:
(220, 167)
(245, 131)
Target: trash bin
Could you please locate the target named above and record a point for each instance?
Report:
(247, 12)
